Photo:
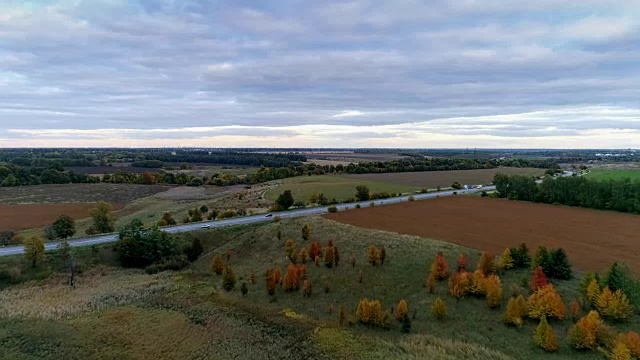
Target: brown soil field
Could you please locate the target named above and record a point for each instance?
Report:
(433, 179)
(78, 193)
(593, 239)
(17, 217)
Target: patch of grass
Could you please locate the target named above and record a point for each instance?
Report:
(613, 174)
(332, 186)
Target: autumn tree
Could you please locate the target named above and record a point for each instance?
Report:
(574, 308)
(369, 312)
(486, 264)
(456, 288)
(244, 289)
(336, 255)
(314, 250)
(516, 311)
(431, 283)
(271, 283)
(289, 248)
(493, 288)
(317, 260)
(64, 227)
(277, 275)
(439, 309)
(546, 302)
(439, 267)
(538, 280)
(620, 351)
(103, 220)
(614, 305)
(34, 249)
(306, 232)
(544, 337)
(373, 255)
(593, 292)
(228, 279)
(217, 266)
(383, 255)
(462, 262)
(303, 255)
(166, 220)
(306, 289)
(478, 283)
(632, 340)
(506, 261)
(401, 310)
(589, 332)
(341, 316)
(291, 279)
(329, 257)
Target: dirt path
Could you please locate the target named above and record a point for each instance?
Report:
(592, 239)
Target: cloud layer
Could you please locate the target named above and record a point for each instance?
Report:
(312, 74)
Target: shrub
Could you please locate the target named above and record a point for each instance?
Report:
(620, 351)
(306, 288)
(632, 340)
(516, 311)
(574, 308)
(228, 279)
(329, 258)
(306, 232)
(217, 266)
(369, 312)
(538, 280)
(271, 283)
(373, 255)
(588, 332)
(276, 218)
(486, 264)
(372, 203)
(431, 283)
(462, 262)
(173, 263)
(614, 305)
(506, 261)
(411, 198)
(406, 324)
(439, 267)
(358, 206)
(303, 255)
(546, 302)
(326, 286)
(382, 255)
(521, 257)
(332, 209)
(244, 289)
(544, 337)
(402, 309)
(439, 309)
(194, 250)
(559, 267)
(336, 255)
(493, 288)
(542, 259)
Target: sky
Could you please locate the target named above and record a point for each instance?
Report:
(303, 73)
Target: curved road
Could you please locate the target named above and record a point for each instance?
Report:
(102, 239)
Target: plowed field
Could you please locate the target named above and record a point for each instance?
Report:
(592, 239)
(27, 216)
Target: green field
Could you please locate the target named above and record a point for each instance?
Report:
(608, 174)
(332, 186)
(126, 314)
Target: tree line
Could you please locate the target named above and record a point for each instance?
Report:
(13, 175)
(617, 195)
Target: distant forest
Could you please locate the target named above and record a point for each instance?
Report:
(617, 195)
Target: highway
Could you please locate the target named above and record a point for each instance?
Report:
(102, 239)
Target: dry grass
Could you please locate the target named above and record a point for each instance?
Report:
(97, 290)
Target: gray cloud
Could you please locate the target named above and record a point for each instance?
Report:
(280, 65)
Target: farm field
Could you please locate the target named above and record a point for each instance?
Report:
(15, 217)
(613, 174)
(592, 239)
(77, 193)
(433, 179)
(332, 186)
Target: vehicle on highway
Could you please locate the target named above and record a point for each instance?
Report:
(205, 226)
(268, 215)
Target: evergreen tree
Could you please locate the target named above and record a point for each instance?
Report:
(406, 324)
(559, 266)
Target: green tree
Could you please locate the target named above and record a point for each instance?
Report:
(406, 324)
(284, 200)
(559, 267)
(456, 185)
(615, 277)
(542, 259)
(228, 279)
(103, 220)
(34, 249)
(362, 193)
(196, 215)
(64, 227)
(204, 209)
(322, 200)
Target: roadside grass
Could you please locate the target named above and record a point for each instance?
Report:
(332, 186)
(612, 174)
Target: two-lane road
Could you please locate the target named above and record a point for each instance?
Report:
(102, 239)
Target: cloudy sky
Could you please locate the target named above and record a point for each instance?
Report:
(403, 73)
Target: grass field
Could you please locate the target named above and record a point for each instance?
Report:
(593, 239)
(116, 313)
(433, 179)
(612, 174)
(332, 186)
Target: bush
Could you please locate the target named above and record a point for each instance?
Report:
(559, 267)
(174, 263)
(358, 206)
(276, 218)
(369, 312)
(329, 256)
(493, 289)
(332, 209)
(140, 247)
(544, 337)
(402, 310)
(431, 283)
(516, 311)
(439, 267)
(406, 324)
(614, 305)
(520, 256)
(439, 309)
(486, 264)
(620, 351)
(306, 289)
(194, 250)
(227, 214)
(546, 302)
(228, 279)
(217, 266)
(632, 341)
(372, 203)
(411, 198)
(373, 255)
